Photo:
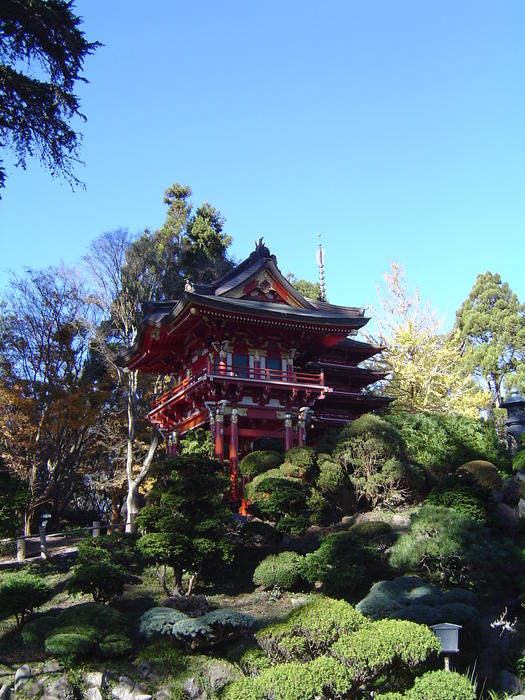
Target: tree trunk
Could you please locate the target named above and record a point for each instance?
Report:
(132, 505)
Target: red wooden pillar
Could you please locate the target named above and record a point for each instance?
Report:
(219, 436)
(234, 457)
(288, 432)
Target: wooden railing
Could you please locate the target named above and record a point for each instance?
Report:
(242, 373)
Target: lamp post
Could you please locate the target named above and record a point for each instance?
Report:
(448, 635)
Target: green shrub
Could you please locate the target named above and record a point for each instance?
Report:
(373, 453)
(277, 498)
(518, 461)
(442, 685)
(343, 565)
(310, 631)
(20, 594)
(254, 489)
(322, 677)
(195, 632)
(102, 579)
(483, 473)
(92, 552)
(386, 644)
(461, 493)
(163, 654)
(93, 614)
(450, 549)
(259, 462)
(253, 661)
(35, 631)
(90, 632)
(371, 529)
(318, 508)
(244, 689)
(303, 459)
(259, 534)
(159, 621)
(69, 646)
(332, 477)
(442, 443)
(115, 645)
(293, 524)
(284, 570)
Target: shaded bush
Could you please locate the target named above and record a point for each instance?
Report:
(284, 570)
(373, 453)
(69, 646)
(461, 493)
(194, 632)
(518, 460)
(299, 462)
(115, 645)
(410, 598)
(94, 614)
(373, 531)
(14, 497)
(20, 594)
(451, 549)
(259, 462)
(258, 534)
(102, 579)
(442, 443)
(344, 565)
(483, 473)
(276, 498)
(253, 488)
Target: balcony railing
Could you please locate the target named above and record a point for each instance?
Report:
(253, 375)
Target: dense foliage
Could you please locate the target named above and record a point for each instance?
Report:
(284, 570)
(20, 594)
(185, 523)
(207, 630)
(448, 548)
(42, 53)
(373, 453)
(441, 442)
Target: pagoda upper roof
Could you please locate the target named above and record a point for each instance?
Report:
(254, 289)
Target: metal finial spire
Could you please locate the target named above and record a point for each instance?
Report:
(320, 263)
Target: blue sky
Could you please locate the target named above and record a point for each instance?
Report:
(395, 129)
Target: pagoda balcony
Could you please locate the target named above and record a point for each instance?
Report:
(247, 376)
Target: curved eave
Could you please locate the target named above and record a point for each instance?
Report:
(164, 314)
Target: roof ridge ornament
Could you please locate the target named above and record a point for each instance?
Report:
(262, 251)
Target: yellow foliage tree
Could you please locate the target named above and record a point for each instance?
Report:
(426, 370)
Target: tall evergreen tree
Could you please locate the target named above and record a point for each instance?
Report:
(491, 325)
(42, 53)
(125, 271)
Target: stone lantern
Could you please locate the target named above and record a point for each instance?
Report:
(515, 423)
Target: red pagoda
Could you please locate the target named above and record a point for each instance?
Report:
(250, 357)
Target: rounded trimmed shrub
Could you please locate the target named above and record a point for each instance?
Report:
(254, 487)
(484, 474)
(115, 645)
(302, 458)
(93, 614)
(284, 570)
(102, 579)
(370, 529)
(20, 594)
(69, 646)
(332, 477)
(310, 631)
(442, 685)
(259, 462)
(462, 494)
